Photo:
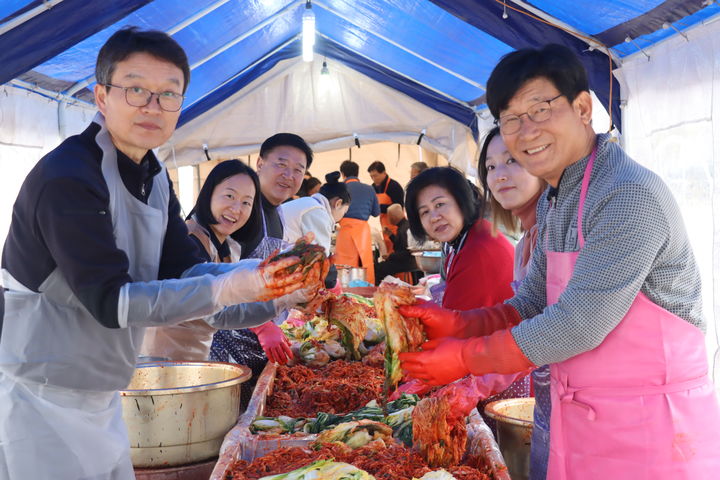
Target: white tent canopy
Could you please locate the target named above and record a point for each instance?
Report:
(295, 96)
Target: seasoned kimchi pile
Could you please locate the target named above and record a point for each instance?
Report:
(440, 434)
(386, 462)
(401, 334)
(339, 387)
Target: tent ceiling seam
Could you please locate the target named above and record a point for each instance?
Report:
(403, 48)
(439, 92)
(242, 37)
(261, 59)
(579, 34)
(171, 31)
(197, 16)
(686, 31)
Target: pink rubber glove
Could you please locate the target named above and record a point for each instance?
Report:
(274, 342)
(445, 360)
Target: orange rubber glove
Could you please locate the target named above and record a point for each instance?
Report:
(274, 342)
(440, 322)
(445, 360)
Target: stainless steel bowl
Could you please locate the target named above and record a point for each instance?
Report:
(429, 261)
(514, 417)
(178, 413)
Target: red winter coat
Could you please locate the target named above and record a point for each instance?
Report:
(481, 273)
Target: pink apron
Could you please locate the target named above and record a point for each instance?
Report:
(640, 406)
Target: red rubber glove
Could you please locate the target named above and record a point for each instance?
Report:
(274, 342)
(440, 322)
(445, 360)
(413, 386)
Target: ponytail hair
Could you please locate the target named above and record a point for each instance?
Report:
(334, 188)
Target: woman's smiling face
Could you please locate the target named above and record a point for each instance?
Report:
(510, 184)
(231, 204)
(439, 213)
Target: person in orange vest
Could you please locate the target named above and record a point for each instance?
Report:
(388, 191)
(353, 245)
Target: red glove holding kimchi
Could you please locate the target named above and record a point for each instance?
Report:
(445, 360)
(440, 322)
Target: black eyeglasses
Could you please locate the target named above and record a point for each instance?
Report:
(140, 97)
(539, 112)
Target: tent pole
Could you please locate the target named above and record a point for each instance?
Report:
(29, 15)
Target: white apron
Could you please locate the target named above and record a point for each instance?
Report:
(60, 413)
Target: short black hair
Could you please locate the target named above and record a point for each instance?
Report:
(130, 40)
(350, 168)
(334, 188)
(377, 166)
(555, 62)
(202, 209)
(466, 195)
(287, 140)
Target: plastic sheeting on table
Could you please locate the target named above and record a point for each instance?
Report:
(241, 444)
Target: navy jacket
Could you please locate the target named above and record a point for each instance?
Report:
(61, 219)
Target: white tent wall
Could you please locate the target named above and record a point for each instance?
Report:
(28, 130)
(671, 124)
(327, 110)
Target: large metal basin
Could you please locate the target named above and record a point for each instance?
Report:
(179, 412)
(429, 261)
(514, 417)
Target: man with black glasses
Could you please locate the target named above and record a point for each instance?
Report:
(612, 298)
(96, 252)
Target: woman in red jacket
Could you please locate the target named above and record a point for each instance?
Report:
(443, 205)
(478, 267)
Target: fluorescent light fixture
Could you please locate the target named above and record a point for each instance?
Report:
(308, 32)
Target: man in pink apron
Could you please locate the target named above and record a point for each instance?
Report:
(611, 301)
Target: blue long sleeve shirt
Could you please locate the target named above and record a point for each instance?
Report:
(363, 201)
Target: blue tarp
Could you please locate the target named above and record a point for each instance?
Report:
(439, 52)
